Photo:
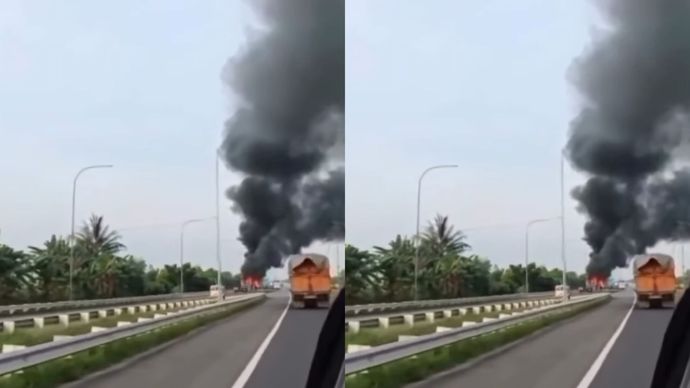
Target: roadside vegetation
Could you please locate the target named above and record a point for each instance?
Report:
(446, 270)
(60, 371)
(379, 336)
(101, 270)
(423, 365)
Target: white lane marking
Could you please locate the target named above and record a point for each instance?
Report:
(594, 369)
(249, 369)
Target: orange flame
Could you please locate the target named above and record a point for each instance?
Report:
(597, 281)
(254, 282)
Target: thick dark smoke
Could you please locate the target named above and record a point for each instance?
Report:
(632, 134)
(287, 137)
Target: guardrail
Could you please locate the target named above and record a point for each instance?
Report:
(40, 319)
(21, 359)
(363, 309)
(355, 323)
(379, 355)
(7, 310)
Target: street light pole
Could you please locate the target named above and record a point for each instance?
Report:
(563, 259)
(530, 223)
(417, 240)
(218, 261)
(74, 201)
(182, 247)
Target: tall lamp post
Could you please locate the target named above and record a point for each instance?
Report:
(563, 260)
(530, 223)
(184, 224)
(419, 196)
(74, 200)
(218, 261)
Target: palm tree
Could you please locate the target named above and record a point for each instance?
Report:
(51, 266)
(441, 250)
(448, 275)
(441, 238)
(361, 274)
(95, 266)
(15, 274)
(397, 268)
(96, 239)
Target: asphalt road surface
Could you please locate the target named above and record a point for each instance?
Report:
(632, 359)
(287, 360)
(214, 357)
(560, 357)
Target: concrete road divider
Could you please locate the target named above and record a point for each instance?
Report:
(35, 308)
(409, 318)
(10, 323)
(381, 308)
(19, 359)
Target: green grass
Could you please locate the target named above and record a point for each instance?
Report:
(401, 372)
(63, 370)
(379, 336)
(34, 335)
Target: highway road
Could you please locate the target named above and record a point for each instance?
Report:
(287, 359)
(563, 354)
(631, 361)
(218, 355)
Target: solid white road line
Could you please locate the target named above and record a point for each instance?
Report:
(249, 369)
(594, 369)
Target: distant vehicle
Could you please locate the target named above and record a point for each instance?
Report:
(310, 280)
(655, 280)
(216, 290)
(562, 290)
(276, 285)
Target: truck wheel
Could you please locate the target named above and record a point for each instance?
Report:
(669, 304)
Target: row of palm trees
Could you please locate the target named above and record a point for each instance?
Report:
(101, 270)
(446, 270)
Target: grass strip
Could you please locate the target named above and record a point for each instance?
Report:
(35, 335)
(64, 370)
(379, 336)
(426, 364)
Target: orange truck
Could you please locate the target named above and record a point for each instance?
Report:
(655, 280)
(310, 280)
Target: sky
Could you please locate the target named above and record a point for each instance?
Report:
(483, 85)
(135, 84)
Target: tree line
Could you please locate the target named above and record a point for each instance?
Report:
(101, 270)
(446, 270)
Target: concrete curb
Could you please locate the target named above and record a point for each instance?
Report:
(458, 370)
(90, 378)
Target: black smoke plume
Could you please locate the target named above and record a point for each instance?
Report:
(631, 136)
(287, 136)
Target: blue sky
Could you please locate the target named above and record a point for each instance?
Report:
(479, 84)
(132, 83)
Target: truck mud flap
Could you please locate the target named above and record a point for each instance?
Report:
(324, 304)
